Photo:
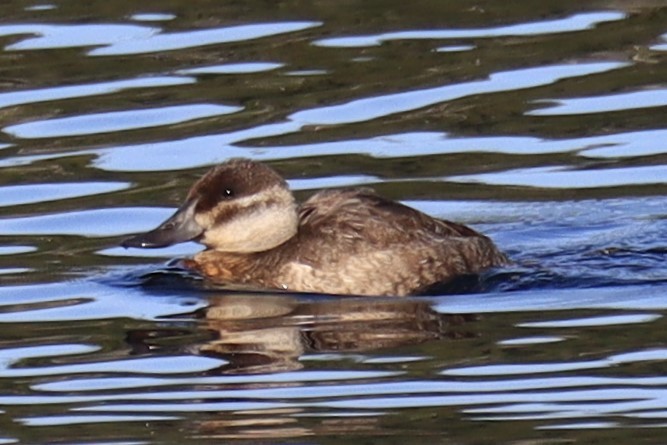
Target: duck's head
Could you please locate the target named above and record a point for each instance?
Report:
(239, 206)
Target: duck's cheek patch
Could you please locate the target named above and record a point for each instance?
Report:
(221, 216)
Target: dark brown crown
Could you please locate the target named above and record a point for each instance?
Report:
(233, 179)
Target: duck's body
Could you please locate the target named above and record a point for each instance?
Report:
(338, 242)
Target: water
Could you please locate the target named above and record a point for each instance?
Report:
(540, 125)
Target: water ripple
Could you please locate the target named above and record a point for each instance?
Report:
(361, 110)
(565, 177)
(133, 39)
(234, 68)
(604, 104)
(116, 121)
(661, 47)
(15, 250)
(152, 17)
(78, 300)
(202, 150)
(33, 193)
(143, 365)
(72, 36)
(577, 22)
(609, 320)
(89, 223)
(13, 98)
(643, 297)
(190, 39)
(209, 149)
(91, 419)
(129, 383)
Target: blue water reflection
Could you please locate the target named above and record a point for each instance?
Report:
(32, 193)
(115, 39)
(363, 110)
(233, 68)
(13, 98)
(576, 22)
(565, 177)
(605, 104)
(117, 121)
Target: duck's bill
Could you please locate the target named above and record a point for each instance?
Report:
(179, 228)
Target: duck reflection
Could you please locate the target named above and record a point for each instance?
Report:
(279, 425)
(270, 333)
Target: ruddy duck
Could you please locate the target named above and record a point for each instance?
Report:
(349, 241)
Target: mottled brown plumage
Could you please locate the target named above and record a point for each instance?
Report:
(349, 241)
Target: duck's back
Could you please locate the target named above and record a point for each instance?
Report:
(356, 242)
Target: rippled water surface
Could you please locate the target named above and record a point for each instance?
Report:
(541, 124)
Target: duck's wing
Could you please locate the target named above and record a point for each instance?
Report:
(361, 213)
(356, 242)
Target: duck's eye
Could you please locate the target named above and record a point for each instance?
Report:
(228, 193)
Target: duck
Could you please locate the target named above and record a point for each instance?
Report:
(349, 241)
